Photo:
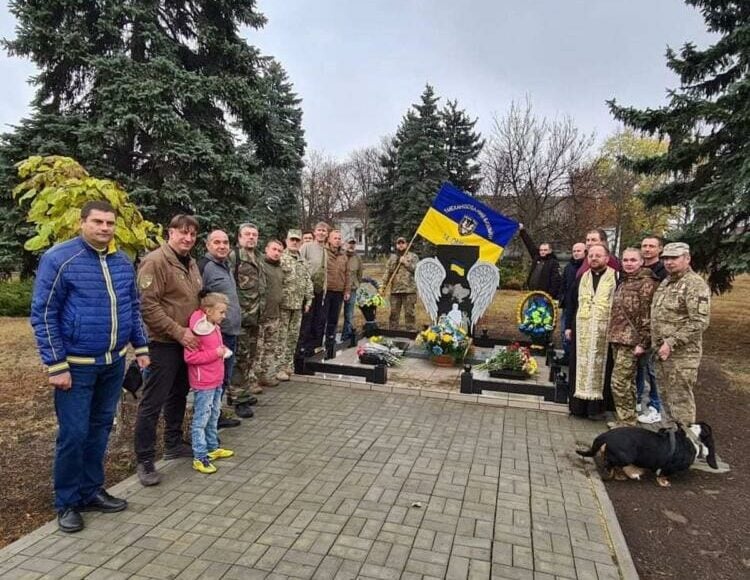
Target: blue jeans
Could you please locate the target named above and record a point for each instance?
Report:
(646, 366)
(206, 409)
(348, 330)
(85, 413)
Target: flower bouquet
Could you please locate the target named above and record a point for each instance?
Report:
(536, 317)
(368, 299)
(379, 350)
(446, 342)
(514, 361)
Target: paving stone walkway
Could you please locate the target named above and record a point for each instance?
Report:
(331, 482)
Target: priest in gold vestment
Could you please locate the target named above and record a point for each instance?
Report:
(586, 324)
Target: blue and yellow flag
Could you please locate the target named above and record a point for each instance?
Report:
(457, 219)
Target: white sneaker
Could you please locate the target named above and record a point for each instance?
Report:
(638, 408)
(651, 416)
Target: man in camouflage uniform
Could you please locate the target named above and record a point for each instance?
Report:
(629, 332)
(250, 277)
(403, 286)
(679, 316)
(268, 331)
(297, 292)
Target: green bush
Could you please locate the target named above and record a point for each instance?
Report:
(15, 298)
(512, 274)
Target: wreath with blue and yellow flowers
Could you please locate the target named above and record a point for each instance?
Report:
(537, 315)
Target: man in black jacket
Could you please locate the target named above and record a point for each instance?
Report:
(545, 269)
(577, 255)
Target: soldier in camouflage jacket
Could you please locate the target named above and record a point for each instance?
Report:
(629, 330)
(403, 286)
(297, 294)
(246, 263)
(679, 315)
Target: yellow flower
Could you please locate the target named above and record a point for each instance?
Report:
(376, 339)
(431, 336)
(447, 337)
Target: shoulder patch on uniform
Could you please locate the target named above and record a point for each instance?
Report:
(703, 305)
(145, 280)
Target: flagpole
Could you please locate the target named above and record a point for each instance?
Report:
(398, 264)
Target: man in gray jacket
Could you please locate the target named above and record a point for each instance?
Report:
(218, 277)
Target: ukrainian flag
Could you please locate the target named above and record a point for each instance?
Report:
(457, 219)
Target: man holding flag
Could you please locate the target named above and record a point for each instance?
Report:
(400, 273)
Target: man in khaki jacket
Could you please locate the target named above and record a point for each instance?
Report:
(169, 282)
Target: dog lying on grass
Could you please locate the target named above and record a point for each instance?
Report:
(627, 452)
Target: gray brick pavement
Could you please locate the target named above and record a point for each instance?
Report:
(330, 482)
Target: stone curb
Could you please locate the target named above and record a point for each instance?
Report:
(530, 402)
(617, 538)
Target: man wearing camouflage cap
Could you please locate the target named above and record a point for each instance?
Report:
(297, 293)
(679, 316)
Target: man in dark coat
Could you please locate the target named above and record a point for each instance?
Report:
(568, 285)
(545, 269)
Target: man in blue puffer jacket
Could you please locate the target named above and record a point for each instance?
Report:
(85, 311)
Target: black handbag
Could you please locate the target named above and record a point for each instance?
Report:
(133, 379)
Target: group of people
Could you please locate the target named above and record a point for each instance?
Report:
(231, 322)
(625, 322)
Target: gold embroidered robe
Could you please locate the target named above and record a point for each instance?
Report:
(592, 320)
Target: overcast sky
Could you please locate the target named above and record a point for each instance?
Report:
(358, 65)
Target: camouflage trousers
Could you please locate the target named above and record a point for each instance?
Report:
(676, 378)
(286, 346)
(243, 376)
(625, 364)
(407, 301)
(268, 338)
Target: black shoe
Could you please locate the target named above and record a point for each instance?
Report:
(182, 450)
(252, 400)
(105, 503)
(228, 422)
(244, 410)
(70, 521)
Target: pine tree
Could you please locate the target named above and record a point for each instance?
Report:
(167, 99)
(707, 123)
(462, 148)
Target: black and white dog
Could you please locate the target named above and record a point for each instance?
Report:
(629, 451)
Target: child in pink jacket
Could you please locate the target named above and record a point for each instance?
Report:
(206, 375)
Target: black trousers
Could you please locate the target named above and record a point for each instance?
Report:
(313, 323)
(166, 389)
(332, 307)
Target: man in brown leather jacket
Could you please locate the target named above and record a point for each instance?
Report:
(169, 282)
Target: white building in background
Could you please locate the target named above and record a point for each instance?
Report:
(352, 227)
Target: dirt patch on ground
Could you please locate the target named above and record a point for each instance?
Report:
(699, 527)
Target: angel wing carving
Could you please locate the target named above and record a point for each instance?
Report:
(483, 279)
(429, 275)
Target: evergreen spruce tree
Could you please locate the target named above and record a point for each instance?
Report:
(430, 146)
(462, 148)
(167, 99)
(707, 122)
